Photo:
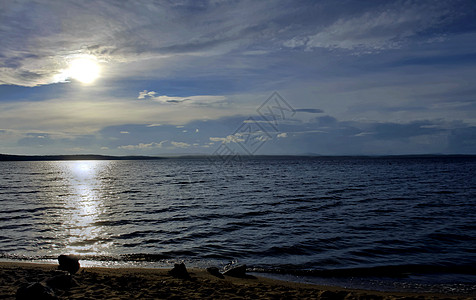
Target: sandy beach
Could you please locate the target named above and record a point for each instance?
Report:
(138, 283)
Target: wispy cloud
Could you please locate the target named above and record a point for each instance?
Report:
(310, 110)
(180, 144)
(386, 26)
(191, 100)
(142, 146)
(228, 139)
(147, 147)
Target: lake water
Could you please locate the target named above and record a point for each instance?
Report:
(403, 223)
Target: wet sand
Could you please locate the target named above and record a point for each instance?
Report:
(139, 283)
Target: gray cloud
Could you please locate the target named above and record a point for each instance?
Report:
(325, 121)
(40, 43)
(35, 139)
(386, 131)
(324, 135)
(39, 37)
(310, 110)
(462, 140)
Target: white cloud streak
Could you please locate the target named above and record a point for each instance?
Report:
(180, 144)
(228, 139)
(191, 100)
(142, 146)
(383, 27)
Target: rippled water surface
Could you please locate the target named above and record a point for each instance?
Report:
(282, 214)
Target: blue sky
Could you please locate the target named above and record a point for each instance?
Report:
(190, 77)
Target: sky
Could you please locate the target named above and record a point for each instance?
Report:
(238, 77)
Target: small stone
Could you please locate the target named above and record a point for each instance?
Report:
(239, 272)
(35, 290)
(180, 271)
(68, 263)
(215, 272)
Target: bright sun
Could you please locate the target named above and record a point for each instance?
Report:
(85, 70)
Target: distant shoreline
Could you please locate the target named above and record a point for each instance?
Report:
(6, 157)
(11, 157)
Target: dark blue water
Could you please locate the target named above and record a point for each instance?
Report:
(406, 219)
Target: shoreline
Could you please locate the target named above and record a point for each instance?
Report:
(149, 283)
(99, 157)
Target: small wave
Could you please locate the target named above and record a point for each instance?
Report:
(89, 242)
(299, 200)
(444, 192)
(391, 271)
(10, 218)
(136, 234)
(450, 237)
(144, 257)
(336, 203)
(111, 223)
(37, 209)
(384, 251)
(298, 249)
(16, 192)
(337, 191)
(328, 198)
(129, 192)
(20, 227)
(182, 182)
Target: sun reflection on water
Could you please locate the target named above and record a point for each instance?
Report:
(83, 207)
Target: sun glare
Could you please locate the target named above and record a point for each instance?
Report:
(85, 70)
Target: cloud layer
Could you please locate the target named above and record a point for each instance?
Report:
(40, 38)
(189, 76)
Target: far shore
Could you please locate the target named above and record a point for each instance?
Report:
(144, 283)
(79, 157)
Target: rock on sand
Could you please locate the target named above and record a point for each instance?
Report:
(68, 263)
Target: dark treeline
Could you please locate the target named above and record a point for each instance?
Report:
(6, 157)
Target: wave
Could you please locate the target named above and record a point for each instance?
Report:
(387, 271)
(390, 271)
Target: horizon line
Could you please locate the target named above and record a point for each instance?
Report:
(53, 157)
